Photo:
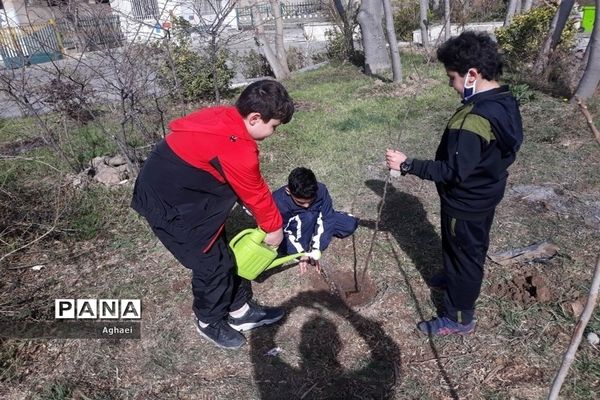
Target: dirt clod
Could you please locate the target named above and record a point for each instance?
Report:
(526, 288)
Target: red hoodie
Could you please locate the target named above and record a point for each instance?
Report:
(219, 133)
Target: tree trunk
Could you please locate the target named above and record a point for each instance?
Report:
(435, 4)
(279, 46)
(448, 28)
(392, 41)
(369, 18)
(527, 5)
(591, 77)
(518, 7)
(563, 13)
(556, 28)
(265, 46)
(424, 22)
(510, 12)
(214, 55)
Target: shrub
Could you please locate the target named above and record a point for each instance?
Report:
(295, 59)
(255, 65)
(406, 20)
(190, 75)
(477, 10)
(339, 50)
(523, 38)
(194, 73)
(522, 93)
(69, 97)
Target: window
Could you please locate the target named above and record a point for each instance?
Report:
(145, 9)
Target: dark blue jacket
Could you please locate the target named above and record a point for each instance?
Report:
(306, 228)
(478, 145)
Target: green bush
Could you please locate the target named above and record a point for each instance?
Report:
(191, 75)
(523, 93)
(339, 50)
(295, 58)
(406, 20)
(255, 65)
(523, 38)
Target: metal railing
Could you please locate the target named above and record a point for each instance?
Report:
(304, 11)
(31, 44)
(91, 33)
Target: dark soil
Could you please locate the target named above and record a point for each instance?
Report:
(526, 288)
(21, 146)
(354, 291)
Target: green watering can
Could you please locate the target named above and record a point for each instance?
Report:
(253, 257)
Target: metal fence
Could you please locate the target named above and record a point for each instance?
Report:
(39, 43)
(91, 33)
(32, 44)
(298, 12)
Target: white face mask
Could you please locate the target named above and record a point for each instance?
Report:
(469, 90)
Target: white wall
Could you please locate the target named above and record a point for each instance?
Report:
(16, 13)
(436, 31)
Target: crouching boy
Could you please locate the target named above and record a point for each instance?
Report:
(310, 222)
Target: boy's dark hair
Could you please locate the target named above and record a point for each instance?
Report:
(268, 98)
(302, 183)
(472, 50)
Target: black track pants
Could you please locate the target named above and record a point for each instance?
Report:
(464, 245)
(217, 289)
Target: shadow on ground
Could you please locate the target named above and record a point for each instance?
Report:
(404, 218)
(319, 374)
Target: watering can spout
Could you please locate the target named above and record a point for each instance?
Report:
(282, 260)
(315, 255)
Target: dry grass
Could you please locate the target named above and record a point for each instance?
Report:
(328, 350)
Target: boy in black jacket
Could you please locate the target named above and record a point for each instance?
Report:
(470, 171)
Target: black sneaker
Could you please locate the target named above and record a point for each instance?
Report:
(221, 334)
(256, 316)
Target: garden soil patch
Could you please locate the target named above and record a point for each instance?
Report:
(354, 291)
(525, 288)
(21, 146)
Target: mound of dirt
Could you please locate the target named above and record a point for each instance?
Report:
(525, 288)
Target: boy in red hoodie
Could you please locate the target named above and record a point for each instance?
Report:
(187, 188)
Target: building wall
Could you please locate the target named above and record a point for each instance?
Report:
(150, 25)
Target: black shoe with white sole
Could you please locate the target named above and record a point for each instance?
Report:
(221, 334)
(256, 316)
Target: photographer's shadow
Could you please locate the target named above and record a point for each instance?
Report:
(405, 219)
(319, 374)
